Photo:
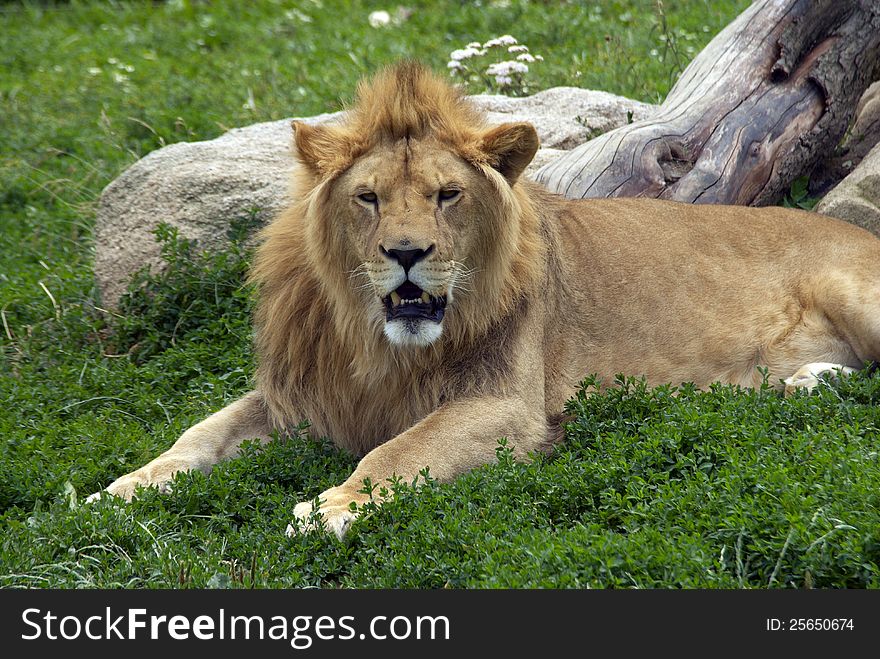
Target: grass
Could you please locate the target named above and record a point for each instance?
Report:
(719, 488)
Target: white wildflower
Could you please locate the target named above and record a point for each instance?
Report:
(509, 75)
(379, 18)
(464, 53)
(94, 70)
(507, 68)
(505, 40)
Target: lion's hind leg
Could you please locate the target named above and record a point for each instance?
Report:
(808, 376)
(837, 330)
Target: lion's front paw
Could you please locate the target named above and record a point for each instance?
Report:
(125, 487)
(334, 514)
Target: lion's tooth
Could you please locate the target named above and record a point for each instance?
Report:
(395, 299)
(425, 297)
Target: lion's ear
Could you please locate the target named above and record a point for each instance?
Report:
(510, 148)
(319, 148)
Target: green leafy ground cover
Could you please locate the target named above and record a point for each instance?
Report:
(719, 488)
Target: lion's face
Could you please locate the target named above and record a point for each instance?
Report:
(410, 200)
(411, 215)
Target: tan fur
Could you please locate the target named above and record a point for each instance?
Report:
(542, 292)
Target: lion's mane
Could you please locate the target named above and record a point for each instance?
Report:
(313, 341)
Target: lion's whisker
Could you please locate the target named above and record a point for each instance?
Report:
(360, 271)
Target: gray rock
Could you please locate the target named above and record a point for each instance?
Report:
(565, 116)
(196, 187)
(200, 187)
(856, 198)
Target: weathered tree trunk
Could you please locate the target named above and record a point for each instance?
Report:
(767, 99)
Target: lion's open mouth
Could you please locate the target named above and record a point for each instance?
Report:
(411, 302)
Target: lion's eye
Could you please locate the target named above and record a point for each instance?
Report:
(450, 194)
(368, 197)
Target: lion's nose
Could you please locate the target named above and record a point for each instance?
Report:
(407, 258)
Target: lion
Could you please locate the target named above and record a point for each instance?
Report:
(420, 299)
